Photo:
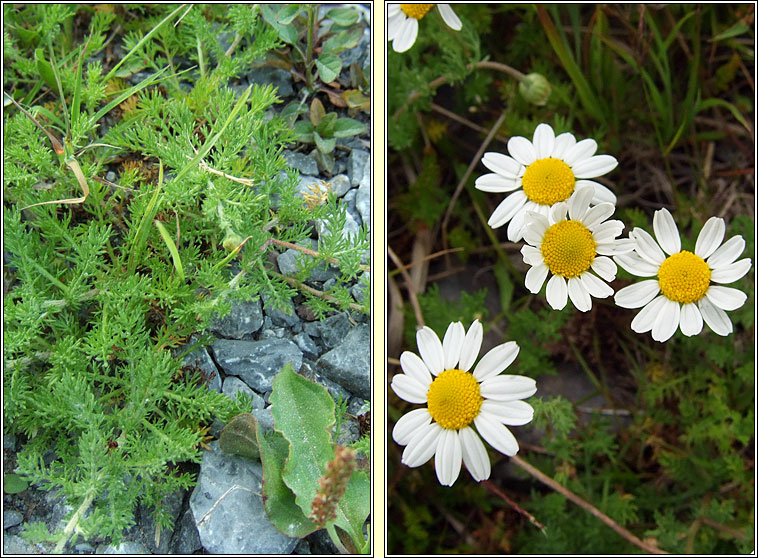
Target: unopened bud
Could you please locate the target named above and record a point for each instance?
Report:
(535, 88)
(231, 241)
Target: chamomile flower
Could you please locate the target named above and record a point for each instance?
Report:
(571, 249)
(685, 280)
(541, 173)
(458, 400)
(402, 22)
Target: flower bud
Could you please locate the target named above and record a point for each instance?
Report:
(231, 241)
(535, 88)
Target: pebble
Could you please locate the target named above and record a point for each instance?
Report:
(228, 508)
(202, 360)
(257, 362)
(357, 164)
(11, 518)
(334, 329)
(301, 162)
(244, 319)
(349, 363)
(363, 203)
(281, 79)
(233, 386)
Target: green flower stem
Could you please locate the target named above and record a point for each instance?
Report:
(73, 522)
(311, 11)
(335, 539)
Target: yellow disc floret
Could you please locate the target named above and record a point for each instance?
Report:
(416, 11)
(568, 248)
(454, 399)
(684, 277)
(548, 181)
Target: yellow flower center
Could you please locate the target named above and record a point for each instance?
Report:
(548, 181)
(684, 277)
(416, 11)
(568, 248)
(454, 399)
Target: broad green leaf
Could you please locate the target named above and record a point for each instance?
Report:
(239, 437)
(343, 40)
(344, 17)
(329, 67)
(303, 131)
(288, 13)
(13, 484)
(278, 500)
(324, 145)
(355, 99)
(345, 127)
(303, 412)
(317, 111)
(325, 161)
(287, 33)
(327, 125)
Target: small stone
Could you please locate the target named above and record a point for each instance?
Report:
(360, 290)
(245, 319)
(307, 315)
(306, 344)
(233, 387)
(227, 505)
(200, 358)
(172, 504)
(9, 442)
(281, 79)
(110, 176)
(340, 185)
(309, 186)
(312, 328)
(11, 518)
(257, 362)
(349, 363)
(363, 203)
(264, 418)
(350, 431)
(334, 329)
(84, 548)
(334, 389)
(301, 162)
(186, 539)
(302, 548)
(126, 547)
(358, 406)
(279, 317)
(357, 164)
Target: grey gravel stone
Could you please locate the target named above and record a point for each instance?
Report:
(281, 79)
(172, 504)
(126, 547)
(11, 518)
(334, 329)
(110, 176)
(357, 164)
(186, 539)
(334, 389)
(351, 227)
(307, 345)
(363, 203)
(313, 329)
(84, 548)
(13, 544)
(349, 364)
(301, 161)
(358, 406)
(340, 185)
(257, 362)
(264, 418)
(349, 201)
(202, 360)
(350, 431)
(291, 261)
(9, 442)
(282, 318)
(233, 386)
(245, 319)
(303, 547)
(360, 290)
(228, 508)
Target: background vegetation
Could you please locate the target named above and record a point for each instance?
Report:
(668, 90)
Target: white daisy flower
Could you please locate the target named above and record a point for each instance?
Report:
(542, 172)
(570, 248)
(685, 280)
(402, 22)
(455, 398)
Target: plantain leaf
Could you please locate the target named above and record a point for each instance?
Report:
(239, 437)
(278, 500)
(303, 412)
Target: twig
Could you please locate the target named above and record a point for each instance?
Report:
(315, 292)
(428, 257)
(307, 251)
(495, 490)
(542, 477)
(466, 122)
(723, 528)
(409, 286)
(475, 161)
(435, 83)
